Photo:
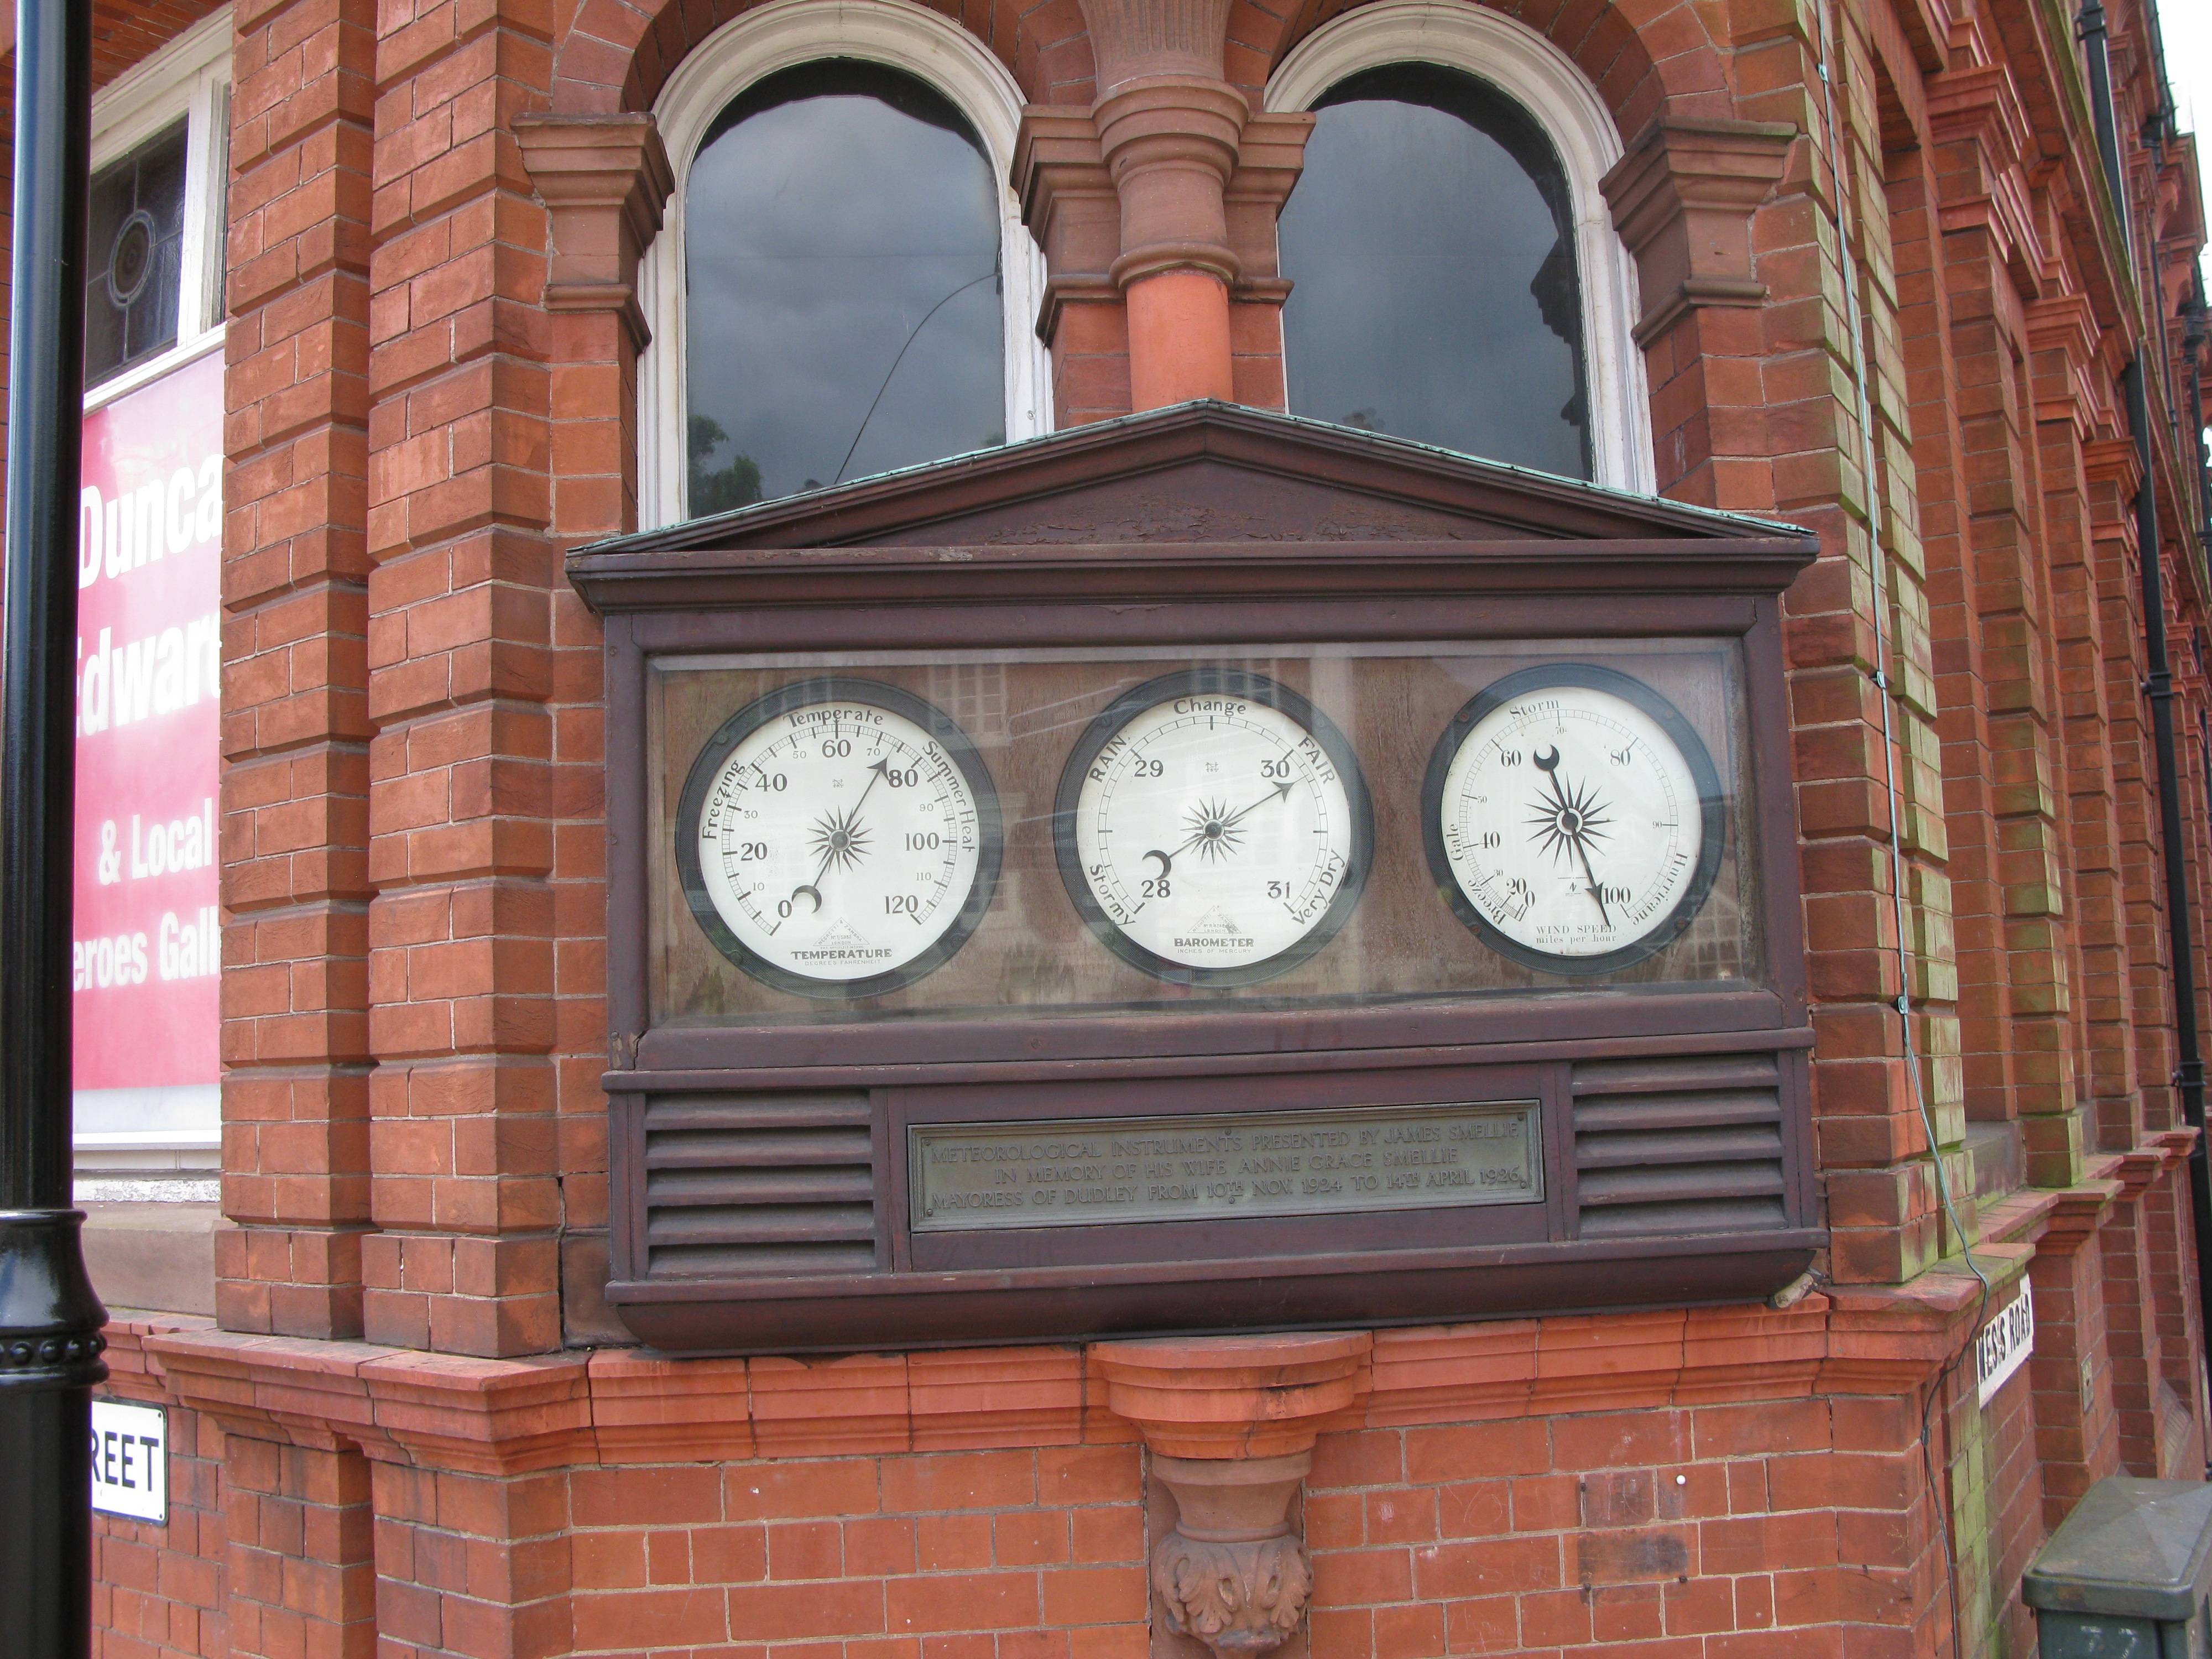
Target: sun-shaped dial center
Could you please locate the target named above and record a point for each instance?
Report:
(841, 839)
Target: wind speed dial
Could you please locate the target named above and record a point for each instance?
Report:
(1574, 819)
(838, 838)
(1212, 828)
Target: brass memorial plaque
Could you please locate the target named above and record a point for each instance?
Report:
(1085, 1172)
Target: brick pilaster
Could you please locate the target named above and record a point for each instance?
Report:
(295, 727)
(2003, 750)
(462, 850)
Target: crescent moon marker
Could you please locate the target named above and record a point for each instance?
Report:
(1167, 861)
(814, 892)
(1544, 765)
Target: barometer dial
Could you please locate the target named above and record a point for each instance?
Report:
(838, 838)
(1574, 819)
(1212, 828)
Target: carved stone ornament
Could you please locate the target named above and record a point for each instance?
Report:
(1230, 1572)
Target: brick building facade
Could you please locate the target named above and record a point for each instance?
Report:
(1878, 288)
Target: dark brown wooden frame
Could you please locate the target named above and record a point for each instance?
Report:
(1488, 553)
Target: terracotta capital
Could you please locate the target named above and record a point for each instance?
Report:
(1980, 104)
(1170, 144)
(1682, 198)
(2076, 1213)
(2140, 1167)
(604, 180)
(1233, 1396)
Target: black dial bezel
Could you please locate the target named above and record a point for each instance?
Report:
(1712, 803)
(840, 687)
(1251, 688)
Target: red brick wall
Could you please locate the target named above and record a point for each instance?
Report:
(1716, 1486)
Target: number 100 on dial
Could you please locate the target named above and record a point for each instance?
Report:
(839, 838)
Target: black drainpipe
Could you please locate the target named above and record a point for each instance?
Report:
(2189, 1072)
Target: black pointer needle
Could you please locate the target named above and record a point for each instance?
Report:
(852, 822)
(1550, 770)
(1167, 859)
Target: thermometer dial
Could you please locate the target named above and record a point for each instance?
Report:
(1574, 819)
(838, 838)
(1212, 828)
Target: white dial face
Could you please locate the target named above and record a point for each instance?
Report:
(1213, 831)
(840, 840)
(1573, 823)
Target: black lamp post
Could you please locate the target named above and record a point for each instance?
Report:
(50, 1319)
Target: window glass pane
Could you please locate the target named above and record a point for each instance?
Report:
(842, 249)
(1430, 242)
(136, 244)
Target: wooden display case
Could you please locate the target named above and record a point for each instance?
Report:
(1048, 1132)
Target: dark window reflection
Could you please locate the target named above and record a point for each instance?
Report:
(842, 237)
(1431, 240)
(136, 249)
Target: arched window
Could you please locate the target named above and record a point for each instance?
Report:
(844, 286)
(1456, 278)
(1432, 250)
(841, 276)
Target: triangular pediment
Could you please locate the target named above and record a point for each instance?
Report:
(1198, 472)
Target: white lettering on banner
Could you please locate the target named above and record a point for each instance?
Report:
(120, 533)
(142, 679)
(189, 949)
(180, 844)
(2004, 1344)
(103, 964)
(186, 948)
(149, 671)
(130, 1460)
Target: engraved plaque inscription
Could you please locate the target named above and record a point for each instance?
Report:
(1083, 1172)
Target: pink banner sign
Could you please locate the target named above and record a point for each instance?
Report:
(148, 943)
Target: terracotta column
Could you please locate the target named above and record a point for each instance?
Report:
(1230, 1423)
(1168, 124)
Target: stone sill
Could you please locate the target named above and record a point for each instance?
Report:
(153, 1257)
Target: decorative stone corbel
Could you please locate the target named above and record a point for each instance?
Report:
(1682, 198)
(1230, 1423)
(604, 180)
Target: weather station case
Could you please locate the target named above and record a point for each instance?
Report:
(1491, 1039)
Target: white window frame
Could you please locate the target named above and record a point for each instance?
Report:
(190, 78)
(1543, 80)
(899, 35)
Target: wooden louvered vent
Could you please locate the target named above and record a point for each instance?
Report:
(1687, 1145)
(756, 1184)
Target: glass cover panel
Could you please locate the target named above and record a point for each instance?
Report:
(136, 244)
(1047, 831)
(841, 276)
(1431, 244)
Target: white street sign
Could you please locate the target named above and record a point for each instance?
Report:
(2005, 1344)
(130, 1460)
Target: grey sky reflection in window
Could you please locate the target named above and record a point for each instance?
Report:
(841, 286)
(1431, 244)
